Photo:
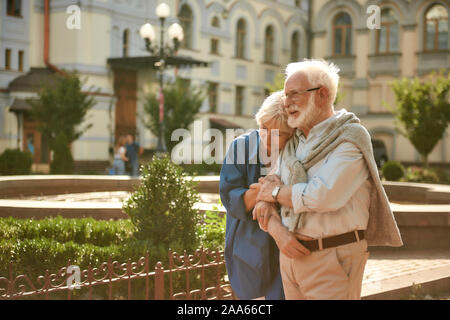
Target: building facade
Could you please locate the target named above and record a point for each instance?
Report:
(413, 41)
(246, 43)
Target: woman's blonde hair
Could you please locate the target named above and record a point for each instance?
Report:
(272, 109)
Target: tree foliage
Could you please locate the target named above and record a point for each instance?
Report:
(60, 113)
(162, 207)
(422, 111)
(182, 102)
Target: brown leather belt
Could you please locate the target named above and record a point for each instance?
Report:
(334, 241)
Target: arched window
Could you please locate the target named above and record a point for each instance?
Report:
(268, 45)
(342, 35)
(240, 38)
(215, 22)
(214, 44)
(387, 36)
(436, 28)
(186, 19)
(125, 42)
(295, 43)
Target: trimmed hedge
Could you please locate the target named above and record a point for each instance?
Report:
(80, 231)
(393, 171)
(36, 245)
(15, 161)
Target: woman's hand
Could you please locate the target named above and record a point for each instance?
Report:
(262, 212)
(250, 196)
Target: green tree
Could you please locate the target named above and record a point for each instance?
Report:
(181, 104)
(162, 207)
(60, 112)
(422, 111)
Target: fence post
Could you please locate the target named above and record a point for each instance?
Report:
(11, 282)
(159, 281)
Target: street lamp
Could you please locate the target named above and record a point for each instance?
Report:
(175, 32)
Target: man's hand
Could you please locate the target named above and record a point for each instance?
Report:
(262, 212)
(287, 241)
(267, 185)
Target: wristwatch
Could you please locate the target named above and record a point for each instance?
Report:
(275, 192)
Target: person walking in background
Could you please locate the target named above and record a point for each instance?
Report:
(133, 151)
(119, 156)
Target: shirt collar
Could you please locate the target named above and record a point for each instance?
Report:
(319, 128)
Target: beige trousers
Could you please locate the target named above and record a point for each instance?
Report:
(333, 273)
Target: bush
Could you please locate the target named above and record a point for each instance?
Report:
(212, 230)
(161, 208)
(424, 175)
(34, 246)
(15, 161)
(202, 169)
(393, 171)
(80, 231)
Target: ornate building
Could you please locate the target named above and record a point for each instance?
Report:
(245, 42)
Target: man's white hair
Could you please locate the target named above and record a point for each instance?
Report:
(319, 74)
(272, 109)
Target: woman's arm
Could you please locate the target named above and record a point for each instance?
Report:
(250, 196)
(122, 154)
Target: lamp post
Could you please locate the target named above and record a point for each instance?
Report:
(175, 33)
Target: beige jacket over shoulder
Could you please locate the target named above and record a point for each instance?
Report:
(381, 229)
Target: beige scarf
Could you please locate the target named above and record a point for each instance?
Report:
(382, 229)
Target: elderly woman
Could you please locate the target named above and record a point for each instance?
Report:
(251, 255)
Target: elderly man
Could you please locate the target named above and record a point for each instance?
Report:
(332, 202)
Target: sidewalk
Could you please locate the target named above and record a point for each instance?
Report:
(396, 274)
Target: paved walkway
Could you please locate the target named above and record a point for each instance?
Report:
(391, 274)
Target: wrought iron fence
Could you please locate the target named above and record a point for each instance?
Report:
(196, 276)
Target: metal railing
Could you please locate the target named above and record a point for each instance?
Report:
(196, 276)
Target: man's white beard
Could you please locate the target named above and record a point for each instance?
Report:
(307, 118)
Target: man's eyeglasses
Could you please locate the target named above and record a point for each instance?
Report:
(295, 95)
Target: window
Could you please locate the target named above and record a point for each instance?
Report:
(215, 22)
(387, 36)
(240, 39)
(125, 42)
(342, 35)
(239, 100)
(20, 60)
(214, 49)
(295, 42)
(214, 46)
(268, 45)
(436, 28)
(212, 96)
(185, 17)
(14, 8)
(8, 59)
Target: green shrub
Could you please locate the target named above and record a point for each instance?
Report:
(161, 208)
(212, 230)
(15, 161)
(393, 171)
(80, 231)
(34, 246)
(423, 175)
(202, 169)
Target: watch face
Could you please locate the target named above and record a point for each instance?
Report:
(275, 192)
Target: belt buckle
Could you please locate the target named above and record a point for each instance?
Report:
(357, 235)
(320, 242)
